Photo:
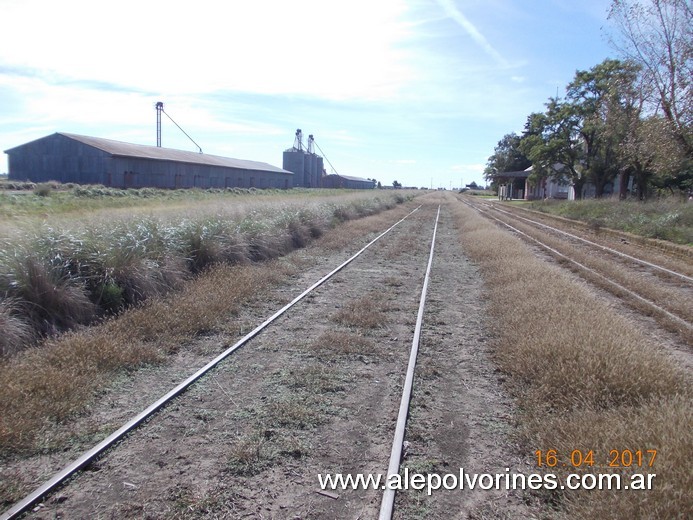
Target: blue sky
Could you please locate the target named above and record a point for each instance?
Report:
(418, 91)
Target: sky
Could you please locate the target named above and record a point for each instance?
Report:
(414, 91)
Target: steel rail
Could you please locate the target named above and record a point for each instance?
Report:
(388, 500)
(604, 248)
(635, 295)
(86, 458)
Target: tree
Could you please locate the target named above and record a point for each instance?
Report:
(507, 157)
(603, 102)
(552, 138)
(396, 184)
(582, 133)
(658, 36)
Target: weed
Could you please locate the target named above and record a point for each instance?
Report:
(665, 218)
(52, 301)
(343, 344)
(68, 277)
(83, 277)
(314, 379)
(250, 454)
(367, 312)
(293, 412)
(16, 332)
(43, 189)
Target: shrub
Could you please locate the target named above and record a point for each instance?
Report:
(43, 189)
(53, 301)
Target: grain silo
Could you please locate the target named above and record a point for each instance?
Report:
(309, 170)
(294, 162)
(319, 171)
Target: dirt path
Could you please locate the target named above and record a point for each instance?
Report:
(319, 392)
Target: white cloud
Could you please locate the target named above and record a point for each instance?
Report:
(326, 49)
(455, 14)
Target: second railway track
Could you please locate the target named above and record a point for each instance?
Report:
(654, 284)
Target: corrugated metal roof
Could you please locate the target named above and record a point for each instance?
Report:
(121, 149)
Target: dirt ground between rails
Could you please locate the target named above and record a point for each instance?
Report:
(316, 393)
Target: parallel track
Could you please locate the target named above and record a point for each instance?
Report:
(656, 290)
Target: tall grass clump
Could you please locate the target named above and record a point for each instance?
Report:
(15, 330)
(43, 189)
(44, 293)
(61, 277)
(584, 377)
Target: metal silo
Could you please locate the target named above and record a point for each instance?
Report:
(320, 166)
(294, 161)
(308, 170)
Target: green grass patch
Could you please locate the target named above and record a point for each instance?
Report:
(666, 219)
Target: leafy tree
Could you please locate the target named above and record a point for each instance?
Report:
(582, 133)
(507, 157)
(396, 184)
(552, 138)
(603, 102)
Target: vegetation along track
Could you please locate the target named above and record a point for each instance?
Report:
(316, 392)
(654, 283)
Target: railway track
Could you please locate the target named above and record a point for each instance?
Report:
(129, 429)
(653, 283)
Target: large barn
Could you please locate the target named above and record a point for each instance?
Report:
(91, 160)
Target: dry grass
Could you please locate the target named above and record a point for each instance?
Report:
(250, 454)
(333, 344)
(677, 300)
(662, 424)
(585, 378)
(56, 381)
(315, 379)
(15, 330)
(367, 312)
(294, 411)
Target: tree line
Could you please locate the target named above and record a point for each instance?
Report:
(632, 115)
